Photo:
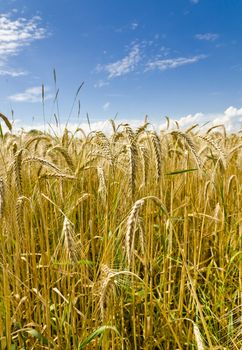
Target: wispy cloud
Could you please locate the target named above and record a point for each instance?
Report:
(172, 63)
(33, 94)
(124, 65)
(15, 34)
(143, 56)
(12, 72)
(106, 106)
(207, 36)
(194, 1)
(134, 25)
(101, 83)
(127, 27)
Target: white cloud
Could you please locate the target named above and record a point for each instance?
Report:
(194, 1)
(134, 25)
(12, 72)
(231, 118)
(101, 83)
(144, 56)
(106, 106)
(103, 125)
(124, 65)
(207, 36)
(33, 94)
(171, 63)
(15, 34)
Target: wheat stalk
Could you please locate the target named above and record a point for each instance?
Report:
(2, 197)
(17, 170)
(102, 190)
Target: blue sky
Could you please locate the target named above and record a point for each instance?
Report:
(176, 58)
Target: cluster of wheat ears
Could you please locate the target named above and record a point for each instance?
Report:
(123, 241)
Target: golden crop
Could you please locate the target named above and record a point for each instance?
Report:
(127, 241)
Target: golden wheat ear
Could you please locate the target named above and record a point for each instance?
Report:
(6, 121)
(198, 337)
(111, 280)
(70, 244)
(131, 226)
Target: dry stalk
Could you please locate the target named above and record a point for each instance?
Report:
(17, 171)
(141, 234)
(102, 190)
(132, 169)
(2, 197)
(133, 154)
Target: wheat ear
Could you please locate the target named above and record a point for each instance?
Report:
(190, 144)
(20, 216)
(42, 161)
(131, 225)
(70, 244)
(155, 141)
(108, 289)
(145, 164)
(64, 154)
(198, 337)
(109, 283)
(133, 154)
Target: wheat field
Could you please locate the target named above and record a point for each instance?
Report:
(123, 241)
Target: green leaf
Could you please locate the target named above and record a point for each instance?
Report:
(37, 335)
(181, 171)
(95, 334)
